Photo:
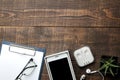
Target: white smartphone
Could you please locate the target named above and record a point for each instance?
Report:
(59, 66)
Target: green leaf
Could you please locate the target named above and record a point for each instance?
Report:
(109, 62)
(110, 69)
(112, 65)
(102, 61)
(102, 67)
(106, 69)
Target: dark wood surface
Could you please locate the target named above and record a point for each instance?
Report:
(59, 25)
(102, 41)
(100, 13)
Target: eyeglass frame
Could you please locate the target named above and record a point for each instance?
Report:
(21, 73)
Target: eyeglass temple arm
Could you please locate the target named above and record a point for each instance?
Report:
(31, 59)
(19, 74)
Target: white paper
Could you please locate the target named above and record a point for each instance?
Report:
(11, 64)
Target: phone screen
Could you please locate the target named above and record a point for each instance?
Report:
(60, 69)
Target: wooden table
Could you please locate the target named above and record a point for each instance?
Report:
(102, 41)
(60, 25)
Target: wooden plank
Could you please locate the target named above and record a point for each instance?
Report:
(102, 41)
(81, 13)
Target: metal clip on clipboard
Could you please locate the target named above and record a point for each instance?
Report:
(23, 50)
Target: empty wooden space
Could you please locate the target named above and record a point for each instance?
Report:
(59, 25)
(60, 13)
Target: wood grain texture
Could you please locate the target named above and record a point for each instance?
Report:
(64, 24)
(81, 13)
(102, 41)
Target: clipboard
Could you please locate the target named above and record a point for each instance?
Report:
(14, 57)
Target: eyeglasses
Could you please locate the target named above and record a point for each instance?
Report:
(27, 70)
